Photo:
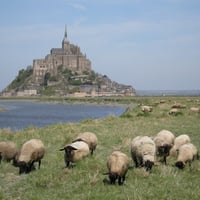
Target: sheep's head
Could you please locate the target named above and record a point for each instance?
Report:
(148, 165)
(113, 177)
(180, 164)
(23, 167)
(164, 149)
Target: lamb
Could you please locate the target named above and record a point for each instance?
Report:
(143, 150)
(187, 153)
(31, 151)
(74, 152)
(89, 138)
(8, 151)
(164, 141)
(178, 141)
(118, 165)
(147, 108)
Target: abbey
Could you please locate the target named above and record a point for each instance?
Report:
(69, 57)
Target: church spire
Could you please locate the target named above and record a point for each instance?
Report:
(65, 40)
(65, 36)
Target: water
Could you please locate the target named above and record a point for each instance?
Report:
(21, 114)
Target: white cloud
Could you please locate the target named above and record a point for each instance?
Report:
(78, 6)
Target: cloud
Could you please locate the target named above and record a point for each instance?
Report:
(78, 6)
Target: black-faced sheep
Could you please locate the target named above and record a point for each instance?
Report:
(31, 151)
(118, 165)
(187, 153)
(146, 108)
(164, 141)
(143, 151)
(8, 151)
(74, 152)
(89, 138)
(178, 141)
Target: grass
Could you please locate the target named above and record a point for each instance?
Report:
(85, 180)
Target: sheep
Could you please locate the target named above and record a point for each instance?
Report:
(178, 141)
(194, 110)
(31, 151)
(147, 108)
(118, 165)
(89, 138)
(74, 152)
(173, 111)
(164, 141)
(143, 150)
(176, 105)
(187, 153)
(8, 151)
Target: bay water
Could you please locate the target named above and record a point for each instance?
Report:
(21, 114)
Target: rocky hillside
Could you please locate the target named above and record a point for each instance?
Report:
(66, 83)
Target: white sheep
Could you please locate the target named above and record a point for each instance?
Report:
(31, 151)
(173, 111)
(8, 151)
(74, 152)
(164, 141)
(187, 153)
(143, 150)
(178, 141)
(118, 165)
(89, 138)
(194, 110)
(146, 108)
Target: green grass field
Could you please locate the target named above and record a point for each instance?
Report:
(85, 180)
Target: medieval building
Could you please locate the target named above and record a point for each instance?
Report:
(69, 57)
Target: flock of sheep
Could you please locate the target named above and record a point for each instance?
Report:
(145, 151)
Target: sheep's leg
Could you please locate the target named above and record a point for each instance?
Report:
(190, 164)
(165, 159)
(120, 182)
(39, 163)
(91, 152)
(136, 162)
(67, 163)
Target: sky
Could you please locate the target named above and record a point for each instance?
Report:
(149, 44)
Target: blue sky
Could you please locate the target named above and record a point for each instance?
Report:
(149, 44)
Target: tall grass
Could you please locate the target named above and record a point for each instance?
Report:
(85, 180)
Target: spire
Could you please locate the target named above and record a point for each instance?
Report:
(65, 40)
(65, 36)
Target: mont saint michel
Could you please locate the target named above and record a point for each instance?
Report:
(65, 71)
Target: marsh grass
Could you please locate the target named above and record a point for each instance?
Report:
(85, 180)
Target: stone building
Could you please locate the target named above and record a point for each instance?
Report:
(69, 57)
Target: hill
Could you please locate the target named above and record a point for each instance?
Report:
(66, 83)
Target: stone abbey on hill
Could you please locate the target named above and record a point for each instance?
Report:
(66, 71)
(69, 57)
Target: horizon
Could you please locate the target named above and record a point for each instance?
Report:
(150, 46)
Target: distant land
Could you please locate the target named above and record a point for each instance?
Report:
(67, 72)
(168, 92)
